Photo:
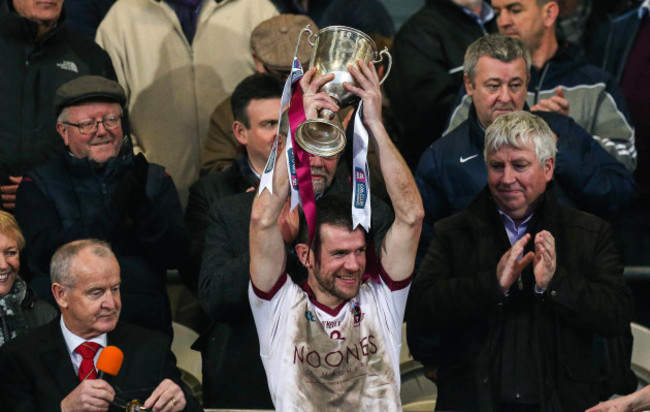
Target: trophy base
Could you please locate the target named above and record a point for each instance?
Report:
(320, 137)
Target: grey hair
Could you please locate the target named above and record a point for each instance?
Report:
(65, 255)
(517, 129)
(63, 116)
(496, 46)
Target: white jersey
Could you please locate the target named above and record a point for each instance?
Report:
(322, 359)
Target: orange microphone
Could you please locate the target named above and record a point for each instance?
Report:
(109, 362)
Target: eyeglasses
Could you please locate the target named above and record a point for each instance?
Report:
(109, 122)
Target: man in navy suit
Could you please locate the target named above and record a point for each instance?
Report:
(46, 370)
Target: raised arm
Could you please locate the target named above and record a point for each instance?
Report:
(268, 255)
(400, 243)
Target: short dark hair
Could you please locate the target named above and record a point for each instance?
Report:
(333, 210)
(255, 86)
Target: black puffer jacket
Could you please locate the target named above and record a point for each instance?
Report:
(31, 70)
(65, 201)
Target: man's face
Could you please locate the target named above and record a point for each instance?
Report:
(100, 145)
(93, 305)
(322, 172)
(517, 180)
(522, 19)
(9, 263)
(338, 271)
(498, 88)
(258, 139)
(45, 12)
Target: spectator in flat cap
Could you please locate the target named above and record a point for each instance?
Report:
(98, 189)
(272, 44)
(37, 55)
(177, 59)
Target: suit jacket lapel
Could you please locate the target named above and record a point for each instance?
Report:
(56, 358)
(118, 337)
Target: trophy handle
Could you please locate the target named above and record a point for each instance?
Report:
(390, 63)
(311, 34)
(311, 38)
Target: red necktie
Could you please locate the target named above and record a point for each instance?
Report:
(87, 350)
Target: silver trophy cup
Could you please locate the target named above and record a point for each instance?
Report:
(334, 49)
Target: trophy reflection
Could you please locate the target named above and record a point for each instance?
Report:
(334, 49)
(135, 406)
(128, 406)
(121, 400)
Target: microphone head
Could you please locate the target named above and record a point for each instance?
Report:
(110, 360)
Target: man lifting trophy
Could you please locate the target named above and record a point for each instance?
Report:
(333, 342)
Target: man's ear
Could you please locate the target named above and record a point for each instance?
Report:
(60, 295)
(259, 66)
(63, 131)
(549, 167)
(240, 132)
(550, 12)
(303, 252)
(468, 84)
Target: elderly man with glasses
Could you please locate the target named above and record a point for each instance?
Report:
(98, 189)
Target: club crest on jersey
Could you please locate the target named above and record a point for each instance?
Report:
(355, 309)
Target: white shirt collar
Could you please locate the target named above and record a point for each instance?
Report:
(253, 170)
(72, 340)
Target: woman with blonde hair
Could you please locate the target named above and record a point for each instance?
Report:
(20, 309)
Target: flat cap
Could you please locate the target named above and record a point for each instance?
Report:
(274, 41)
(87, 88)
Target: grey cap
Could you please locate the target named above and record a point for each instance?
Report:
(87, 88)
